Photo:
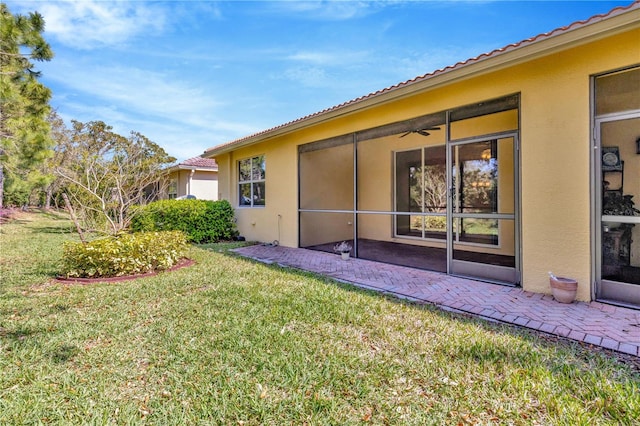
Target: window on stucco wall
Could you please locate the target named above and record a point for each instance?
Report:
(251, 182)
(172, 191)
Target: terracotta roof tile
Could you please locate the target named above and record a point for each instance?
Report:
(200, 162)
(461, 64)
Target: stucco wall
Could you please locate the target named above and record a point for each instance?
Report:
(278, 219)
(181, 179)
(202, 184)
(555, 155)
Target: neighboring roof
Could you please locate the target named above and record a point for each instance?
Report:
(492, 60)
(196, 163)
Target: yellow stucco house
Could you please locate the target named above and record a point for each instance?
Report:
(196, 177)
(500, 168)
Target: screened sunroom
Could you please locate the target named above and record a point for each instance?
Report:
(437, 192)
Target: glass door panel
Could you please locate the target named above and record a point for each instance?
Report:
(408, 188)
(421, 193)
(435, 192)
(483, 219)
(619, 242)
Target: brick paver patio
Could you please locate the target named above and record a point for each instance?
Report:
(594, 323)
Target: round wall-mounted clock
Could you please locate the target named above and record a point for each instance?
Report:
(610, 159)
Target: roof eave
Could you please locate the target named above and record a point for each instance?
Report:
(506, 57)
(194, 168)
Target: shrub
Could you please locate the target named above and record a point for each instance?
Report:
(203, 221)
(436, 223)
(125, 254)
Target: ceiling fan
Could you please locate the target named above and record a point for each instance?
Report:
(422, 132)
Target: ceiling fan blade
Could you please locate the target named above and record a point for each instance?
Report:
(422, 132)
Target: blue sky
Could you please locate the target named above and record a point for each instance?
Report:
(190, 75)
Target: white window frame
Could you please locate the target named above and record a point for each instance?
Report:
(172, 189)
(252, 181)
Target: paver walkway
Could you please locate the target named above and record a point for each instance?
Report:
(595, 323)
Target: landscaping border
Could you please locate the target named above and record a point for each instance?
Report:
(183, 263)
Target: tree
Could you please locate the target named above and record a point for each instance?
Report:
(108, 174)
(24, 131)
(63, 156)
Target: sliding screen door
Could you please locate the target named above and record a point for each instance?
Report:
(482, 230)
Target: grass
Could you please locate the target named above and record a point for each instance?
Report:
(229, 341)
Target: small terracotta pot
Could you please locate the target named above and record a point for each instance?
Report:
(563, 289)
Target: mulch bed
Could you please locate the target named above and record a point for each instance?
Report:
(183, 263)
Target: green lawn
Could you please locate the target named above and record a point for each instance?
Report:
(232, 342)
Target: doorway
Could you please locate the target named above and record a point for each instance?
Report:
(482, 214)
(618, 259)
(616, 171)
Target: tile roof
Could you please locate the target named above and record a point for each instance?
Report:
(199, 162)
(496, 52)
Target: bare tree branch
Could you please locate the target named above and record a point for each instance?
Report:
(110, 174)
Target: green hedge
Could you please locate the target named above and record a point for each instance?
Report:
(126, 254)
(201, 220)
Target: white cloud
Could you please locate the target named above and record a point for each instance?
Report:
(183, 117)
(139, 89)
(308, 76)
(417, 63)
(325, 10)
(86, 24)
(315, 57)
(333, 58)
(181, 140)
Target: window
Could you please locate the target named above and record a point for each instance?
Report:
(477, 191)
(172, 191)
(421, 192)
(421, 187)
(251, 182)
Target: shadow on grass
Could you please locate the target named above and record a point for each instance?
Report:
(63, 353)
(58, 307)
(224, 246)
(52, 214)
(19, 334)
(475, 352)
(53, 229)
(19, 216)
(25, 219)
(15, 221)
(26, 336)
